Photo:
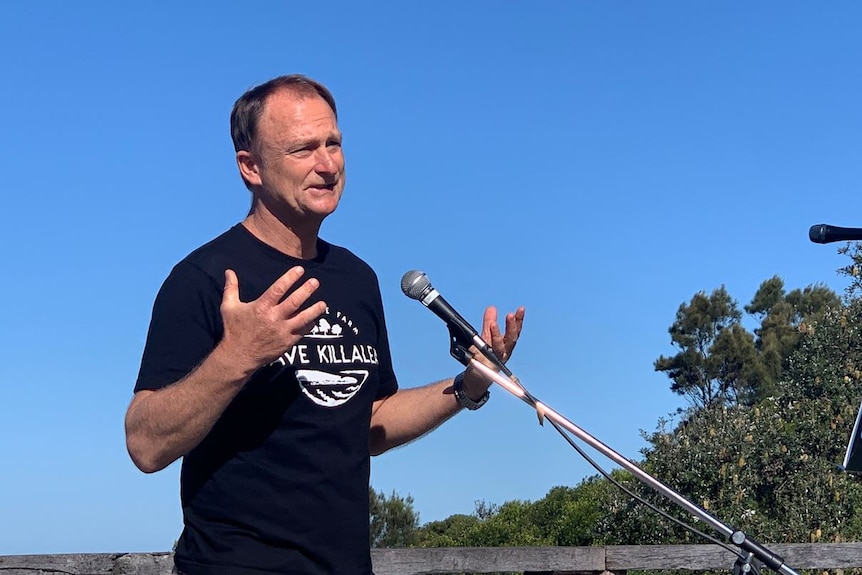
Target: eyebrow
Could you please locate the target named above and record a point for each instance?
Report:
(337, 135)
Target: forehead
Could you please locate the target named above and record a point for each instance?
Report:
(290, 116)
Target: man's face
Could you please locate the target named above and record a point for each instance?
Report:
(298, 164)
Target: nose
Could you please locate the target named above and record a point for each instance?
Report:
(326, 162)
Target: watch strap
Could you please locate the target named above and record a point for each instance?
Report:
(463, 399)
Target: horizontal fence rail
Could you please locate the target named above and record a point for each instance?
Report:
(441, 560)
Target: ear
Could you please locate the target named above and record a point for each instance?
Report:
(249, 167)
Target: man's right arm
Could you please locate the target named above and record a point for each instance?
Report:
(163, 425)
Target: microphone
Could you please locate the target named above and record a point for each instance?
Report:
(823, 234)
(416, 285)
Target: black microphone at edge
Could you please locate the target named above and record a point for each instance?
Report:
(824, 234)
(416, 285)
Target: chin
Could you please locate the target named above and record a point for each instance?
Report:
(327, 205)
(323, 210)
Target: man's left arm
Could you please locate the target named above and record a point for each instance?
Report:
(410, 413)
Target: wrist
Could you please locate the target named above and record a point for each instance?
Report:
(232, 366)
(466, 397)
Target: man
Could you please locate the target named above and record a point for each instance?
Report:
(267, 365)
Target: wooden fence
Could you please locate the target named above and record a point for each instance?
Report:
(441, 560)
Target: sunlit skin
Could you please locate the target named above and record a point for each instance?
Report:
(296, 172)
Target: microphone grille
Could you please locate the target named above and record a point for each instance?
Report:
(414, 284)
(817, 233)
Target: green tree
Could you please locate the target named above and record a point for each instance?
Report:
(853, 270)
(717, 361)
(565, 516)
(770, 468)
(454, 531)
(720, 362)
(392, 519)
(784, 320)
(510, 524)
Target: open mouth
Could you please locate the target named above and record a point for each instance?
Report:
(324, 187)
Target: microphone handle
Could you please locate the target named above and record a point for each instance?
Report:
(824, 234)
(452, 318)
(447, 313)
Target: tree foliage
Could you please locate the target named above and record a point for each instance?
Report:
(392, 520)
(720, 362)
(768, 466)
(784, 319)
(454, 531)
(716, 362)
(565, 516)
(853, 270)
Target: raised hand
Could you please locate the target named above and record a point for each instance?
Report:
(259, 331)
(502, 344)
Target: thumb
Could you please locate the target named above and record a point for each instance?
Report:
(231, 288)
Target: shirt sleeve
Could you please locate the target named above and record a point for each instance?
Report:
(185, 327)
(388, 382)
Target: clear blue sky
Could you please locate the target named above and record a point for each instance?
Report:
(596, 162)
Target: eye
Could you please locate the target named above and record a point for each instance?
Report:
(303, 152)
(333, 145)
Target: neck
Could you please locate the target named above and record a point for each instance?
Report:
(298, 242)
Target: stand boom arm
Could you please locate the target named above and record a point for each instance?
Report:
(736, 537)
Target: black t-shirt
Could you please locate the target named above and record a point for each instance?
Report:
(280, 484)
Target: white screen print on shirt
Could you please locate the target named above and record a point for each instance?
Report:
(319, 363)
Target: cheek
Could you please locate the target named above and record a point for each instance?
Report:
(292, 175)
(339, 161)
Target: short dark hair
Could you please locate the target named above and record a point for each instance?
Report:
(248, 108)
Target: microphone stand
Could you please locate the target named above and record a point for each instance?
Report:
(459, 349)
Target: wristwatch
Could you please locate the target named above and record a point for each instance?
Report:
(463, 399)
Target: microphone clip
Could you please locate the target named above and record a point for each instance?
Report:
(459, 345)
